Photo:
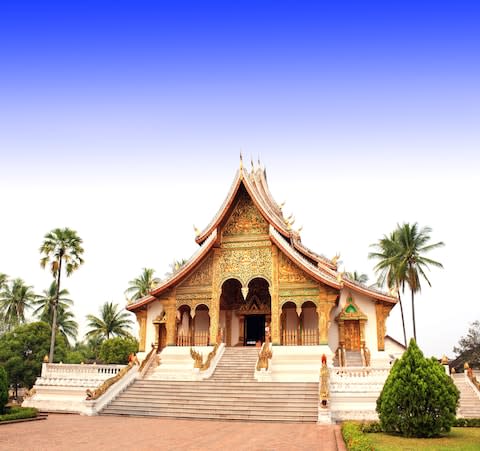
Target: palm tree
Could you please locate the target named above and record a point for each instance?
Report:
(414, 243)
(3, 280)
(15, 298)
(142, 285)
(357, 277)
(175, 266)
(60, 246)
(388, 270)
(110, 323)
(66, 324)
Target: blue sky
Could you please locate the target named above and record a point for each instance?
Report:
(354, 107)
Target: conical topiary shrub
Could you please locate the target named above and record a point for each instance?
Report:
(418, 399)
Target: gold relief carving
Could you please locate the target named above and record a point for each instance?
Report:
(245, 264)
(251, 243)
(142, 324)
(323, 310)
(289, 272)
(245, 219)
(188, 298)
(214, 309)
(171, 318)
(382, 311)
(202, 276)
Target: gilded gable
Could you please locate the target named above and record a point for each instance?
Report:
(288, 272)
(245, 219)
(202, 276)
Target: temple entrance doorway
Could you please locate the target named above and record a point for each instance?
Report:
(352, 335)
(254, 329)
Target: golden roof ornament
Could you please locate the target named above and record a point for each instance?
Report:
(335, 259)
(241, 161)
(45, 359)
(197, 232)
(444, 360)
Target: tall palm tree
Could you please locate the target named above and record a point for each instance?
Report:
(111, 322)
(142, 285)
(15, 298)
(3, 280)
(175, 266)
(388, 269)
(412, 263)
(357, 277)
(66, 324)
(60, 246)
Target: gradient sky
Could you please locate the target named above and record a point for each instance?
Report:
(124, 121)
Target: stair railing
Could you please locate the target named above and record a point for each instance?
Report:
(264, 356)
(147, 362)
(471, 379)
(324, 392)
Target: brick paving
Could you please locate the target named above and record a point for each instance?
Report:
(75, 432)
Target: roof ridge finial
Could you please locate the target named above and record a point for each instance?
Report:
(253, 167)
(197, 232)
(241, 160)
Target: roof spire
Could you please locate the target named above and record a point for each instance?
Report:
(197, 232)
(251, 161)
(241, 160)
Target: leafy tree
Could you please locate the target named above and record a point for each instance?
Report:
(3, 280)
(357, 277)
(60, 246)
(66, 324)
(110, 323)
(142, 285)
(175, 266)
(414, 244)
(3, 389)
(388, 269)
(22, 351)
(418, 399)
(117, 350)
(15, 299)
(468, 349)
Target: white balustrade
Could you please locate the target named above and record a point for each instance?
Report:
(358, 379)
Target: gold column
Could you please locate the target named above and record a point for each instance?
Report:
(382, 311)
(341, 333)
(171, 320)
(275, 307)
(142, 324)
(228, 328)
(214, 308)
(241, 330)
(362, 333)
(156, 324)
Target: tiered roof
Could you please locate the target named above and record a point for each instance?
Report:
(281, 233)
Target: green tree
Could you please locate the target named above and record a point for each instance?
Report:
(142, 285)
(22, 351)
(357, 277)
(412, 263)
(111, 322)
(3, 280)
(468, 349)
(15, 298)
(3, 390)
(66, 324)
(175, 266)
(117, 350)
(418, 399)
(60, 247)
(388, 268)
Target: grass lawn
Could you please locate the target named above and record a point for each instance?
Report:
(458, 439)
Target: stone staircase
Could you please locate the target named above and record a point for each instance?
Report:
(469, 401)
(231, 393)
(353, 358)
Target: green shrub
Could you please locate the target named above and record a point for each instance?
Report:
(19, 413)
(371, 427)
(3, 389)
(117, 350)
(355, 439)
(466, 423)
(418, 399)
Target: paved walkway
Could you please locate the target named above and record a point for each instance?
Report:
(75, 432)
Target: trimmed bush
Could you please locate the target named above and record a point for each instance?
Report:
(418, 398)
(355, 439)
(466, 423)
(117, 350)
(19, 413)
(3, 389)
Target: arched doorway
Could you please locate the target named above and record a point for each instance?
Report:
(309, 324)
(290, 324)
(231, 299)
(184, 326)
(256, 311)
(201, 326)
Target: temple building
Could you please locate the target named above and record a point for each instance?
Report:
(253, 276)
